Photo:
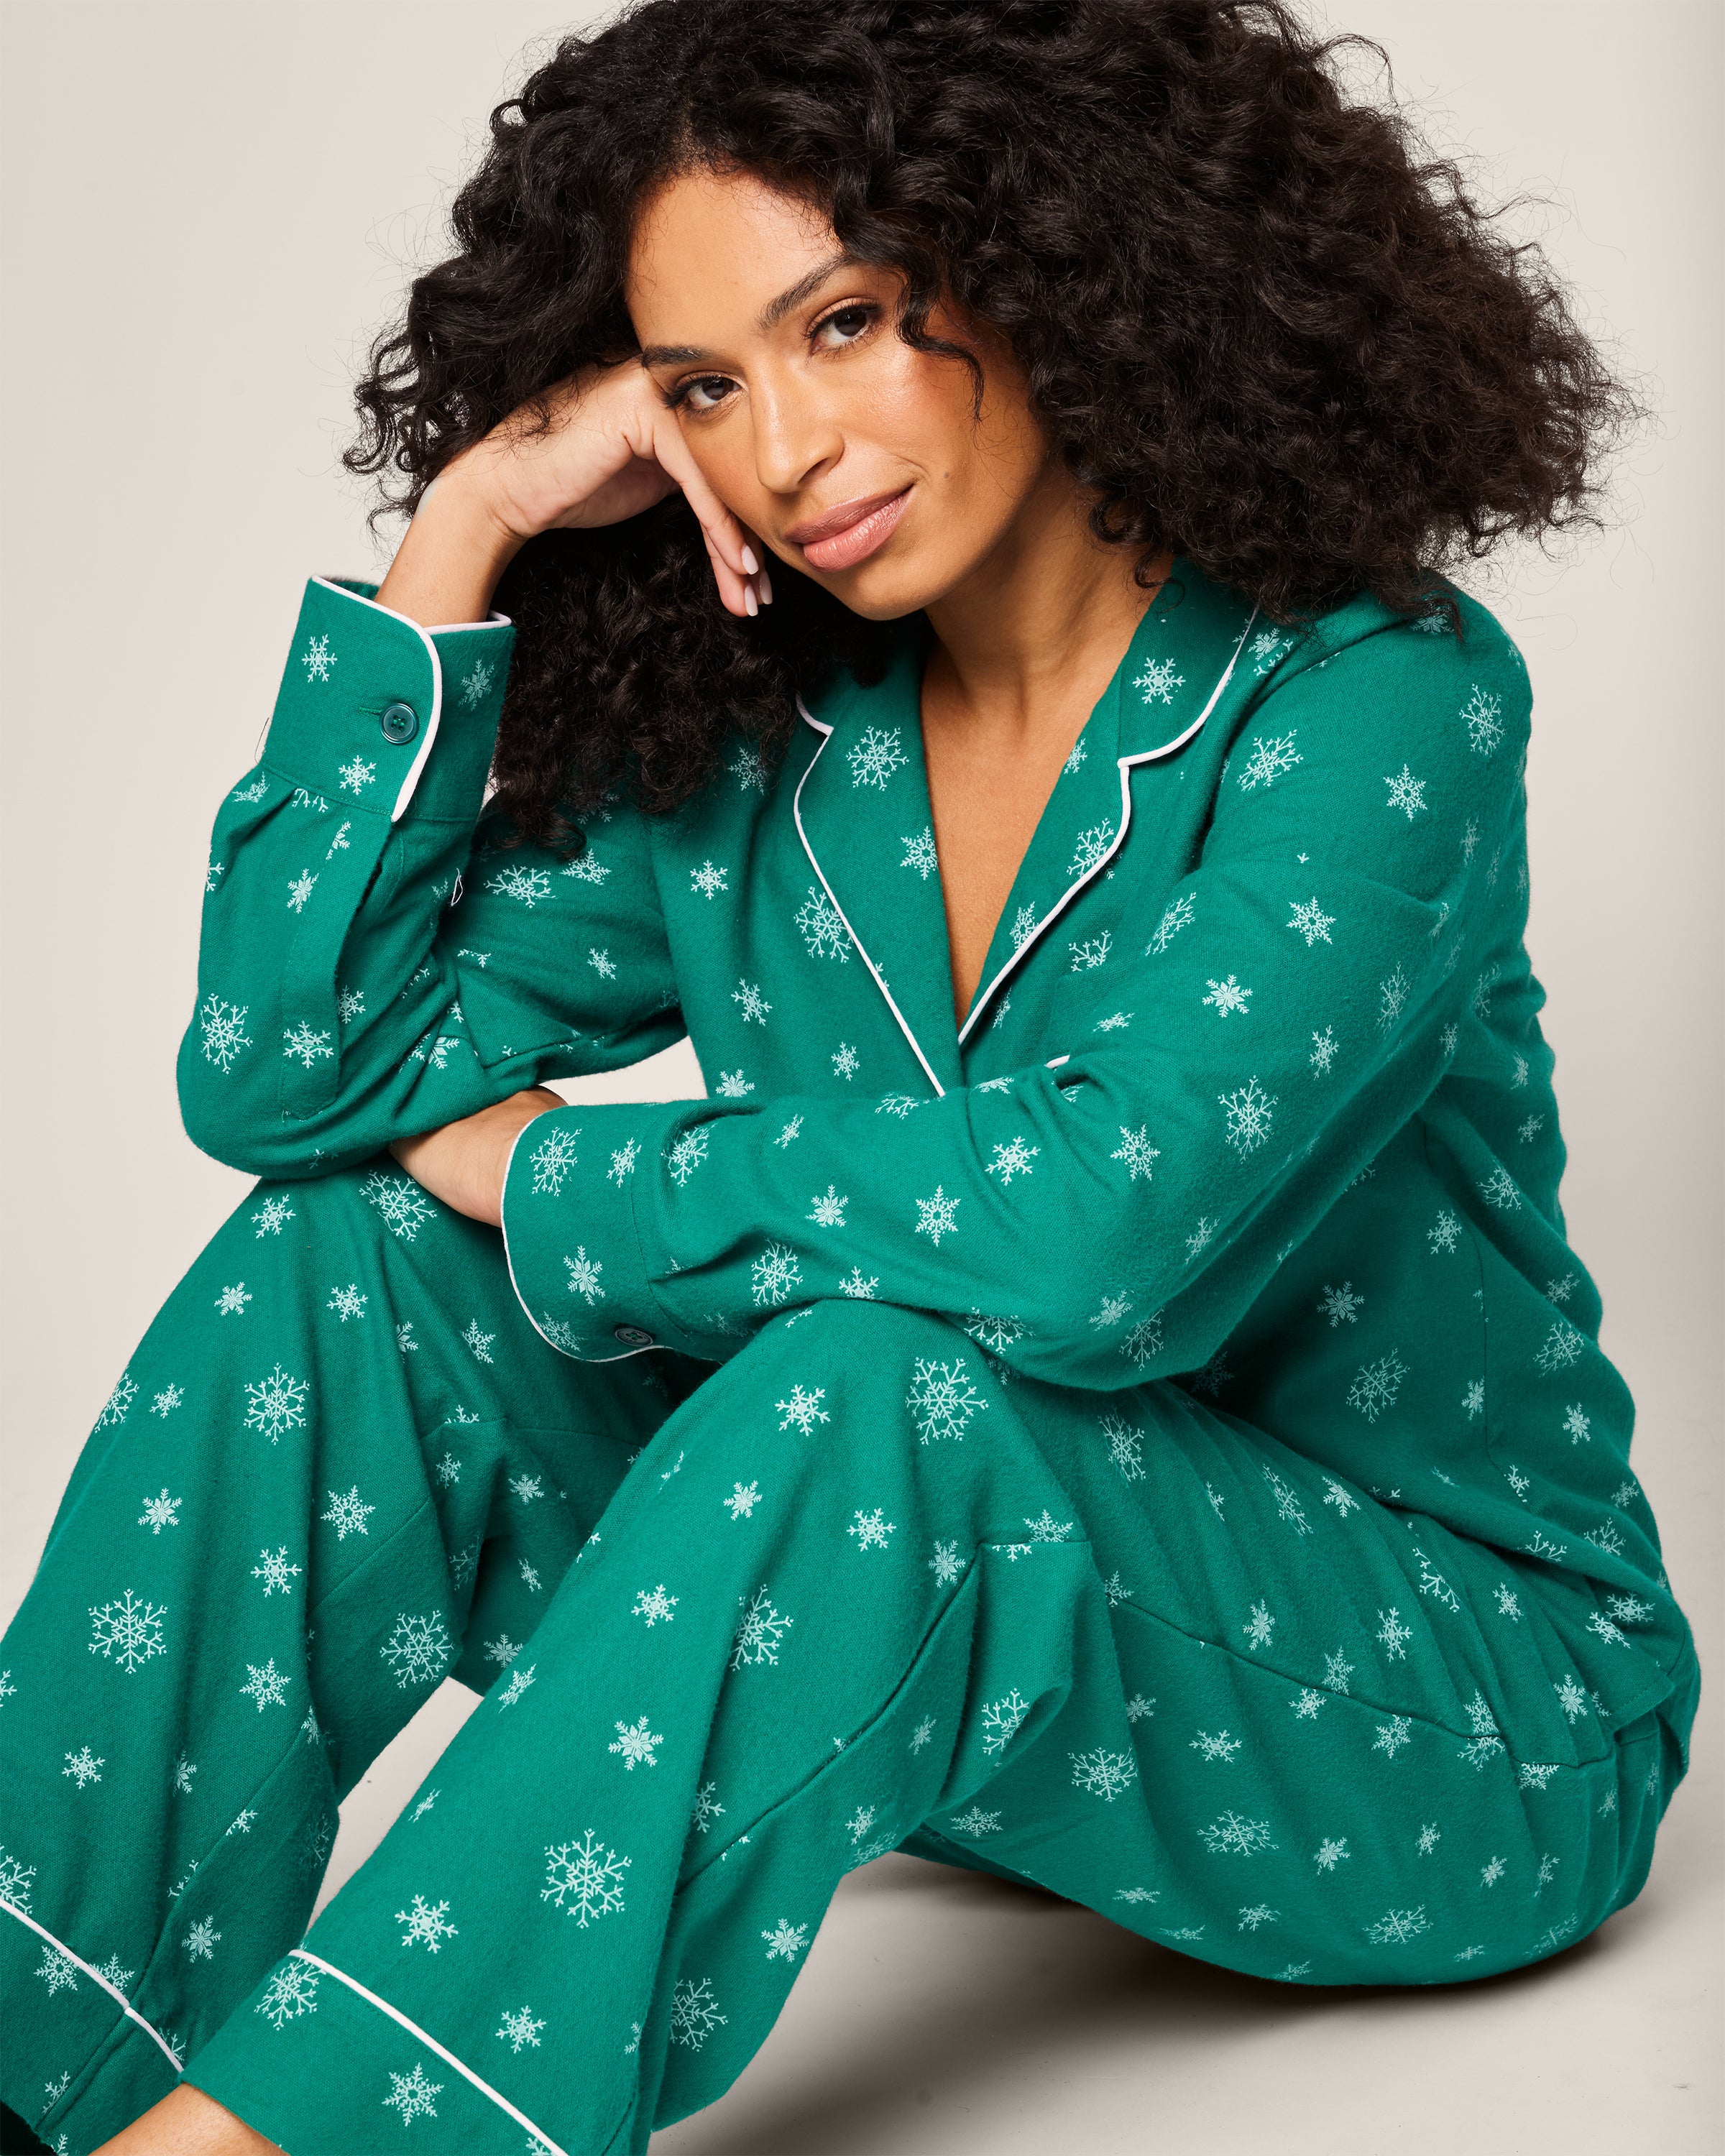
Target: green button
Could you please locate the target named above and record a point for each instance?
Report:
(400, 722)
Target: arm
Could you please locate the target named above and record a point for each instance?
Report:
(1167, 1164)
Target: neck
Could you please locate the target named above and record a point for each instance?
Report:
(1028, 642)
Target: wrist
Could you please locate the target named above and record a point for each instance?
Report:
(450, 557)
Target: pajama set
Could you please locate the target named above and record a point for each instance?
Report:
(1149, 1439)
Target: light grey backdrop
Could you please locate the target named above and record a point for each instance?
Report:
(207, 209)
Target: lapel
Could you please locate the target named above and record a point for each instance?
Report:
(862, 812)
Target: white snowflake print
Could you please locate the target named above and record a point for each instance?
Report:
(1339, 1495)
(160, 1513)
(299, 891)
(552, 1159)
(347, 1301)
(231, 1302)
(694, 2013)
(479, 1342)
(1603, 1628)
(1126, 1447)
(829, 1211)
(58, 1970)
(1577, 1424)
(202, 1939)
(266, 1687)
(1376, 1385)
(653, 1603)
(276, 1404)
(15, 1877)
(276, 1571)
(526, 886)
(584, 1879)
(1250, 1111)
(602, 963)
(871, 1529)
(224, 1033)
(773, 1275)
(1324, 1051)
(356, 774)
(527, 1487)
(945, 1564)
(128, 1631)
(317, 659)
(402, 1205)
(1392, 1634)
(1406, 792)
(1229, 996)
(1257, 1627)
(860, 1288)
(1011, 1159)
(1571, 1697)
(1135, 1151)
(515, 1689)
(271, 1216)
(1090, 849)
(519, 2028)
(741, 1502)
(1143, 1343)
(1288, 1508)
(1176, 916)
(292, 1992)
(1260, 1914)
(84, 1767)
(1137, 1894)
(707, 1807)
(1103, 1773)
(1091, 953)
(1158, 681)
(1392, 996)
(919, 852)
(1392, 1735)
(1396, 1927)
(428, 1924)
(1445, 1235)
(419, 1650)
(873, 759)
(995, 1332)
(803, 1407)
(1482, 714)
(1001, 1720)
(1337, 1669)
(1535, 1773)
(748, 767)
(923, 1731)
(1311, 920)
(687, 1153)
(942, 1399)
(347, 1513)
(976, 1821)
(1563, 1345)
(635, 1743)
(411, 2095)
(1219, 1747)
(759, 1632)
(752, 1004)
(1273, 755)
(584, 1276)
(785, 1940)
(1230, 1834)
(1341, 1304)
(937, 1215)
(1329, 1853)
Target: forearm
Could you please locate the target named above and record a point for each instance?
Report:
(450, 557)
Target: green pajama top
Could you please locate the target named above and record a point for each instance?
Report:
(1253, 1095)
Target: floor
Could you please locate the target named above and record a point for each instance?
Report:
(941, 2013)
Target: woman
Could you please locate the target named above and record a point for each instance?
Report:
(1099, 1391)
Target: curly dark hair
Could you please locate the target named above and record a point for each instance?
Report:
(1262, 326)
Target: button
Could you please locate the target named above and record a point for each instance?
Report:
(632, 1336)
(400, 722)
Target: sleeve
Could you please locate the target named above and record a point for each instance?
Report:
(1110, 1216)
(376, 958)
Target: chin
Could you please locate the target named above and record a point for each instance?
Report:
(889, 590)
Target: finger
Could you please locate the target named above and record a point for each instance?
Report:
(736, 591)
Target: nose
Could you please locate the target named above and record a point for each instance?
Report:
(796, 432)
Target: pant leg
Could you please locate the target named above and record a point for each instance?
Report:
(339, 1465)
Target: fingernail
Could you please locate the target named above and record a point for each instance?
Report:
(766, 588)
(750, 565)
(748, 600)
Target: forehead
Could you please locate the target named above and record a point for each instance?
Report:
(710, 244)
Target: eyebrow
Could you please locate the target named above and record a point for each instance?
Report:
(770, 317)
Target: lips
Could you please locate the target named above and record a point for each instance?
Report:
(848, 534)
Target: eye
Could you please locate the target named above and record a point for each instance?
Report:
(850, 322)
(701, 393)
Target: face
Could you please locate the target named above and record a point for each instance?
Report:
(857, 459)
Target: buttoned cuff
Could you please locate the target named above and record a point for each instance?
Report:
(368, 693)
(579, 1263)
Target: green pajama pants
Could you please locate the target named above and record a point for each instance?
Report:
(739, 1628)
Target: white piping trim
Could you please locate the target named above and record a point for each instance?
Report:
(1125, 764)
(508, 1160)
(96, 1976)
(431, 2043)
(826, 734)
(418, 765)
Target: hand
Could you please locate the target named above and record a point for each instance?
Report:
(605, 449)
(464, 1162)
